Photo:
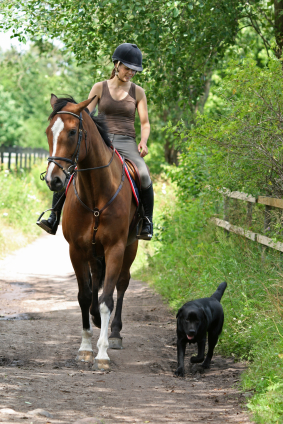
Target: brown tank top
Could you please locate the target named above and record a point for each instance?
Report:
(119, 114)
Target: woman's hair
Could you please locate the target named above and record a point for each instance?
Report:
(114, 70)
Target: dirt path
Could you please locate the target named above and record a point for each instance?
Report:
(40, 333)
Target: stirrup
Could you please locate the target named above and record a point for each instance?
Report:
(43, 224)
(146, 235)
(45, 227)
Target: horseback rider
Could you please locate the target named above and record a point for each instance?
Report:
(117, 99)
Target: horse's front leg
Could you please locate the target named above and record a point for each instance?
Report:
(98, 274)
(84, 297)
(113, 260)
(115, 339)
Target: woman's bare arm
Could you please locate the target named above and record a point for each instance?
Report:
(95, 91)
(145, 125)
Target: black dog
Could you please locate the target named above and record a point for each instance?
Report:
(194, 320)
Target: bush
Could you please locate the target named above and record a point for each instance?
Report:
(189, 257)
(242, 148)
(22, 198)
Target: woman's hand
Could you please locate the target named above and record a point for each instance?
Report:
(143, 149)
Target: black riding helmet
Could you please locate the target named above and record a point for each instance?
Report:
(130, 55)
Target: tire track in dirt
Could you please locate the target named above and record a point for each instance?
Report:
(40, 333)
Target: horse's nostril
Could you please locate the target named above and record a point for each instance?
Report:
(56, 184)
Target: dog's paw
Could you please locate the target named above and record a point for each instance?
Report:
(180, 372)
(205, 365)
(196, 360)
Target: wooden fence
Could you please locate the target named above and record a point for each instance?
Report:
(18, 157)
(269, 202)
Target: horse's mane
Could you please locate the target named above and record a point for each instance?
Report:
(98, 120)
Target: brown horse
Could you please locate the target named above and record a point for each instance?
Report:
(98, 211)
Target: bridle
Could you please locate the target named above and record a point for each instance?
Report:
(74, 160)
(72, 170)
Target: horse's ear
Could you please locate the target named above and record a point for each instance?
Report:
(81, 106)
(53, 100)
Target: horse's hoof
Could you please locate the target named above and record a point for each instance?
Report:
(115, 343)
(101, 364)
(85, 356)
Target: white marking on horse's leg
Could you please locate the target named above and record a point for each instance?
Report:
(86, 340)
(102, 343)
(57, 128)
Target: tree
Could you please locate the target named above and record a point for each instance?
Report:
(11, 124)
(181, 40)
(29, 78)
(242, 148)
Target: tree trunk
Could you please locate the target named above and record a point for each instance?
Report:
(278, 26)
(170, 153)
(202, 100)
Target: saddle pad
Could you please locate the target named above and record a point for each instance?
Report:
(131, 181)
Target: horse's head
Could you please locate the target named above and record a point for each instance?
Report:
(66, 139)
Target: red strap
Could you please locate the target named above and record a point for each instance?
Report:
(129, 178)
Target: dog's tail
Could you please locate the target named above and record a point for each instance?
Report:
(219, 292)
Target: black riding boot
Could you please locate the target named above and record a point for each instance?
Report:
(147, 199)
(51, 224)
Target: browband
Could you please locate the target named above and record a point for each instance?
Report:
(71, 113)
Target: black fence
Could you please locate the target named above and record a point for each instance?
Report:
(19, 157)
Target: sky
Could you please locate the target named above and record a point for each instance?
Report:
(6, 42)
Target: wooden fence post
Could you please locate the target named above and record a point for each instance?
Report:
(9, 161)
(267, 223)
(267, 218)
(226, 212)
(249, 214)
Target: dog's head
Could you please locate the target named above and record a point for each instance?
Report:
(192, 320)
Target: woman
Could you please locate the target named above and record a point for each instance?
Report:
(118, 98)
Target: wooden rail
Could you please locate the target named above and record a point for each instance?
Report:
(269, 202)
(19, 157)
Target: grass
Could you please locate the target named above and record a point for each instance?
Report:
(189, 257)
(22, 198)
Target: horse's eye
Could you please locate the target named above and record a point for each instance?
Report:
(72, 133)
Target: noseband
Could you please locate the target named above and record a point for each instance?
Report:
(74, 160)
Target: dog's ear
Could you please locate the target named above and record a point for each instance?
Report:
(179, 312)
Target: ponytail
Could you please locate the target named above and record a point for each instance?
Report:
(112, 74)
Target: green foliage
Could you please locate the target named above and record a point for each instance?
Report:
(22, 198)
(181, 44)
(241, 149)
(29, 79)
(188, 259)
(11, 124)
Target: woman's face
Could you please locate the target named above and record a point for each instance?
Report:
(125, 73)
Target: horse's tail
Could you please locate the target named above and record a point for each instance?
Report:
(219, 292)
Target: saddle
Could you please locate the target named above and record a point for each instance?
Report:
(134, 172)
